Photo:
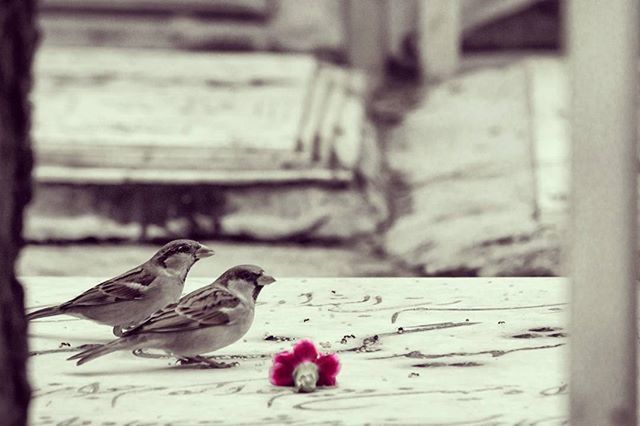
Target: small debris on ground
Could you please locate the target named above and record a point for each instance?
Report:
(544, 329)
(272, 338)
(345, 338)
(526, 336)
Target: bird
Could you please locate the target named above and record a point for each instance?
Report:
(130, 298)
(203, 321)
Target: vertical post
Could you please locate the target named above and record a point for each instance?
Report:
(366, 34)
(401, 22)
(439, 37)
(603, 52)
(17, 47)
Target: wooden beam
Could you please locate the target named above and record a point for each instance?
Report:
(328, 128)
(476, 13)
(402, 21)
(56, 175)
(314, 107)
(603, 51)
(439, 37)
(366, 34)
(350, 135)
(236, 8)
(119, 155)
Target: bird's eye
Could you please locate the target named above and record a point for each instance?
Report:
(248, 276)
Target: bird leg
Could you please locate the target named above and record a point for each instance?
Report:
(205, 362)
(120, 330)
(142, 354)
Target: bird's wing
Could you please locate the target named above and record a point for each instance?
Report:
(207, 307)
(129, 286)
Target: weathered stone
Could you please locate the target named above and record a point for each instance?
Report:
(270, 212)
(468, 171)
(245, 168)
(477, 349)
(323, 213)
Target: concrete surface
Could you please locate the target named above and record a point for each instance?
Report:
(283, 260)
(483, 158)
(413, 352)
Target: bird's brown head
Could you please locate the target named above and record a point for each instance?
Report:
(246, 278)
(180, 255)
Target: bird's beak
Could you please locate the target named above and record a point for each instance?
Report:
(204, 251)
(265, 279)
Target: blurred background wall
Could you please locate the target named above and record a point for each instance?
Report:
(359, 137)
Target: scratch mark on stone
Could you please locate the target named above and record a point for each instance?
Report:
(370, 341)
(365, 299)
(309, 297)
(494, 353)
(309, 405)
(556, 390)
(445, 364)
(278, 396)
(394, 317)
(189, 389)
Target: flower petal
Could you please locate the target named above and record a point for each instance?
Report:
(284, 358)
(281, 374)
(328, 368)
(305, 350)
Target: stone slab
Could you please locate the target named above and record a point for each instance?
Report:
(414, 351)
(549, 89)
(257, 212)
(102, 96)
(464, 154)
(116, 130)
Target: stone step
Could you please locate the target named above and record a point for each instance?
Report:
(221, 8)
(137, 143)
(465, 155)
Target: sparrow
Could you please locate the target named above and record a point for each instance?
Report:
(203, 321)
(130, 298)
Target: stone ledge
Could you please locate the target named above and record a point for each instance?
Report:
(266, 147)
(414, 351)
(477, 200)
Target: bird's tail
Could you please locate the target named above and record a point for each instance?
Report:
(46, 312)
(129, 343)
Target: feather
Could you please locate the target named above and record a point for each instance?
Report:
(43, 313)
(131, 343)
(128, 286)
(206, 307)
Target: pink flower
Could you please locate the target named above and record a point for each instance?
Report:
(323, 367)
